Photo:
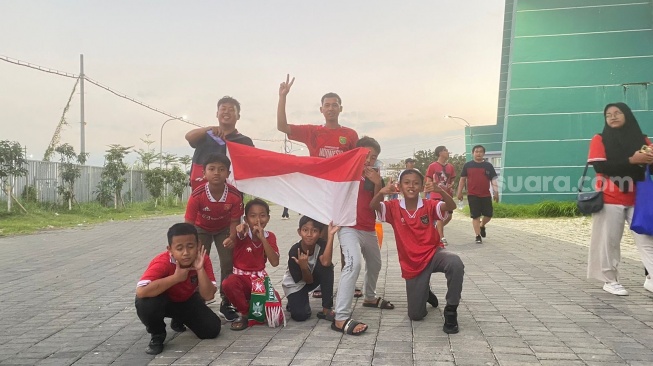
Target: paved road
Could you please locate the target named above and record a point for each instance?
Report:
(66, 298)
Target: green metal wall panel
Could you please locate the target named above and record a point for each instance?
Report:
(582, 73)
(557, 4)
(571, 20)
(567, 60)
(580, 46)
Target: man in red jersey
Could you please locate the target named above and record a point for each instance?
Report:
(442, 173)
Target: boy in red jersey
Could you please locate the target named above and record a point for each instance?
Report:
(418, 244)
(215, 209)
(322, 141)
(442, 173)
(359, 242)
(176, 284)
(254, 246)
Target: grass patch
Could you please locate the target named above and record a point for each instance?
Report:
(49, 216)
(537, 210)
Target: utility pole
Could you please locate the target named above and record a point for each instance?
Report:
(82, 146)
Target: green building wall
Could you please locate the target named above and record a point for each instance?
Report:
(565, 61)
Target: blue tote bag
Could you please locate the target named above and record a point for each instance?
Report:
(642, 222)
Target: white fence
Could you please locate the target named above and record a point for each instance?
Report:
(44, 177)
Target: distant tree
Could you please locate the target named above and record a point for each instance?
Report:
(115, 170)
(185, 161)
(12, 164)
(147, 156)
(168, 159)
(178, 181)
(69, 171)
(155, 182)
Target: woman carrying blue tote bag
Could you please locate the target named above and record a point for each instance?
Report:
(642, 222)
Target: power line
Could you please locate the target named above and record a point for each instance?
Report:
(98, 84)
(37, 67)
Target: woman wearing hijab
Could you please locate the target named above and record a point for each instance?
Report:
(619, 163)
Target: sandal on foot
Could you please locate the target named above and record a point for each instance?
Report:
(317, 294)
(330, 316)
(348, 327)
(358, 293)
(240, 324)
(380, 303)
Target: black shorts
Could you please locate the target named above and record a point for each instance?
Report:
(480, 206)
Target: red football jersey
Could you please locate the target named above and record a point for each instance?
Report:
(164, 265)
(365, 216)
(415, 233)
(249, 255)
(441, 174)
(212, 214)
(324, 142)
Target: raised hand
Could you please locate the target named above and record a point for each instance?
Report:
(198, 264)
(373, 175)
(333, 229)
(388, 189)
(217, 131)
(181, 274)
(284, 88)
(242, 229)
(257, 230)
(301, 259)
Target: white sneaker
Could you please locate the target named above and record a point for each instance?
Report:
(648, 283)
(444, 241)
(615, 288)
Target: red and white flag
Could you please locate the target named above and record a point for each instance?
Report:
(323, 189)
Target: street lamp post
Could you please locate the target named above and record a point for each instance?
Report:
(183, 119)
(471, 136)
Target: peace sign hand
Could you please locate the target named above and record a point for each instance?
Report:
(284, 88)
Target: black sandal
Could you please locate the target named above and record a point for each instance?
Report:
(348, 327)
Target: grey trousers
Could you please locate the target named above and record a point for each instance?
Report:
(225, 255)
(417, 288)
(605, 243)
(356, 245)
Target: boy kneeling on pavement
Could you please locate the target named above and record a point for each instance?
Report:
(176, 284)
(420, 250)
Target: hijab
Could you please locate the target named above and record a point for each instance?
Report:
(621, 143)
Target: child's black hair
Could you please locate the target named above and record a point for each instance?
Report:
(181, 228)
(257, 201)
(478, 147)
(367, 141)
(217, 158)
(411, 171)
(305, 220)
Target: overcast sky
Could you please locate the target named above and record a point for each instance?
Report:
(398, 66)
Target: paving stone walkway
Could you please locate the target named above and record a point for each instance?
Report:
(67, 298)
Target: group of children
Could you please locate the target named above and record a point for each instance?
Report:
(179, 282)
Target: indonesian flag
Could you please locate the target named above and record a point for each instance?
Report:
(323, 189)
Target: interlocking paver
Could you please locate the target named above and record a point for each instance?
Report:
(67, 299)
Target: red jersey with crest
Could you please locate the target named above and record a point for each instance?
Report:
(249, 255)
(324, 142)
(441, 174)
(164, 265)
(611, 192)
(214, 213)
(415, 232)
